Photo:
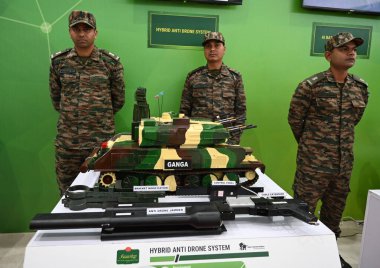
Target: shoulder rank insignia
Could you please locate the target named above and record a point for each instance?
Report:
(110, 54)
(235, 72)
(59, 53)
(315, 78)
(358, 79)
(195, 70)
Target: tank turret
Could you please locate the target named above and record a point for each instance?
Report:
(180, 132)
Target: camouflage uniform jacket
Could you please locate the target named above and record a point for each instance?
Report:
(86, 94)
(208, 96)
(322, 116)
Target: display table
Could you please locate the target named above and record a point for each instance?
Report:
(369, 254)
(250, 241)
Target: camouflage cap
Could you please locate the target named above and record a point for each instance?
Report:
(341, 39)
(217, 36)
(78, 16)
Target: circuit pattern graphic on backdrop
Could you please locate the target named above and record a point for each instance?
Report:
(45, 26)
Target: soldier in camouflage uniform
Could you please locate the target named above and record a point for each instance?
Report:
(323, 113)
(87, 89)
(215, 90)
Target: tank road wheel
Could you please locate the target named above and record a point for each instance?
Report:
(192, 181)
(208, 179)
(107, 179)
(219, 175)
(251, 178)
(250, 175)
(231, 177)
(153, 180)
(171, 182)
(130, 181)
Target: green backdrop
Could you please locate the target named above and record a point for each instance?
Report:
(268, 41)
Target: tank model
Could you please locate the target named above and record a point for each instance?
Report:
(173, 151)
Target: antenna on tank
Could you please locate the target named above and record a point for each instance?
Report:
(158, 97)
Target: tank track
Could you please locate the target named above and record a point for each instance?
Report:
(200, 178)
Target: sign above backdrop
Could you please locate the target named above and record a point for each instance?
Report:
(322, 32)
(181, 31)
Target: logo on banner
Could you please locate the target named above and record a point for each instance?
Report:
(127, 256)
(243, 246)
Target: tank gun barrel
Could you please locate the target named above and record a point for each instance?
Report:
(240, 127)
(230, 120)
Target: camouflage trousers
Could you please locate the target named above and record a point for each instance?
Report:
(331, 189)
(67, 164)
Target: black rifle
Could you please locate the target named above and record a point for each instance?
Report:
(170, 219)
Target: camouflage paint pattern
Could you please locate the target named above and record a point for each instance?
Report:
(331, 189)
(86, 93)
(125, 154)
(216, 36)
(173, 152)
(208, 96)
(182, 132)
(323, 116)
(341, 39)
(67, 163)
(78, 16)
